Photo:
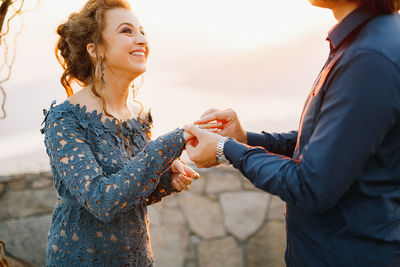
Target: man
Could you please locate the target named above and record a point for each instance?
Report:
(339, 174)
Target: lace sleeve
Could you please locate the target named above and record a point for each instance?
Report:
(163, 189)
(106, 196)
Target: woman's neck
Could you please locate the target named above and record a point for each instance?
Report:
(115, 93)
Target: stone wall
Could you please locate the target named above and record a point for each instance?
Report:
(222, 221)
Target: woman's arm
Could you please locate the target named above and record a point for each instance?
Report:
(177, 178)
(163, 189)
(105, 196)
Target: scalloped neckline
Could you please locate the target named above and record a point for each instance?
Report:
(99, 115)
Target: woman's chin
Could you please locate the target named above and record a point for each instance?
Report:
(137, 71)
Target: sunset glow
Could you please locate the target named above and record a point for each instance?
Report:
(247, 55)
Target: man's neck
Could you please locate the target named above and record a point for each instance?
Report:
(340, 11)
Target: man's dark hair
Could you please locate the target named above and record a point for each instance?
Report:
(381, 6)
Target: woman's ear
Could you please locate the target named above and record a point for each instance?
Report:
(90, 48)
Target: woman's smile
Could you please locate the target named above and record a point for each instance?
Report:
(139, 53)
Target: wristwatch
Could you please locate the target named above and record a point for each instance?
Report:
(220, 151)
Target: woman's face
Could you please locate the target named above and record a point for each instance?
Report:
(126, 45)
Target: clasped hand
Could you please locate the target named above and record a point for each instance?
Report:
(202, 137)
(182, 175)
(201, 142)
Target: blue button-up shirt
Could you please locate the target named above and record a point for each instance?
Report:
(339, 174)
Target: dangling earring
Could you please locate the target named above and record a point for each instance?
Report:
(135, 87)
(102, 73)
(133, 91)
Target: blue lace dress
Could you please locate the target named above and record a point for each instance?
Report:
(100, 218)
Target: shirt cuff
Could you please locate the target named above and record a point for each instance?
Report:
(233, 151)
(256, 139)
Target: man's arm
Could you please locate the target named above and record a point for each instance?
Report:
(355, 117)
(361, 106)
(229, 125)
(278, 143)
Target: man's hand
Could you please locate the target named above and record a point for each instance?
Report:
(182, 175)
(203, 147)
(231, 125)
(212, 127)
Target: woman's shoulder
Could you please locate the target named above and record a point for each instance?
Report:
(57, 111)
(86, 100)
(67, 113)
(79, 106)
(58, 116)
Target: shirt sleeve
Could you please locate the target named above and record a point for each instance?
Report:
(278, 143)
(105, 196)
(360, 107)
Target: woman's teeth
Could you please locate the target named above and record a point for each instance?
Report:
(138, 53)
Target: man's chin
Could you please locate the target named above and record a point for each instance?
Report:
(322, 3)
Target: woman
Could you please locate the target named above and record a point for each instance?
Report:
(105, 169)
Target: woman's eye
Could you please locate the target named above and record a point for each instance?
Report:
(126, 30)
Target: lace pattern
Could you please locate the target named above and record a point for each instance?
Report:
(100, 218)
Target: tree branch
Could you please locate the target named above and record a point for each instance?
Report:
(3, 12)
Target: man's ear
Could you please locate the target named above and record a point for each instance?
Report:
(90, 48)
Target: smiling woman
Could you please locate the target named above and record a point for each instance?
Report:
(106, 169)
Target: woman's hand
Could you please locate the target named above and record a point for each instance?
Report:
(211, 127)
(182, 175)
(202, 149)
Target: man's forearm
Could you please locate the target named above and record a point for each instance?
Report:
(282, 143)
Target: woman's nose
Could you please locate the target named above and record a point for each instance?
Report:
(141, 39)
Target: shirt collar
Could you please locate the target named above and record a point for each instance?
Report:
(351, 22)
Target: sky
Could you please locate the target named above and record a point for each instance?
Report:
(259, 57)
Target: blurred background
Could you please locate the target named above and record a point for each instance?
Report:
(257, 57)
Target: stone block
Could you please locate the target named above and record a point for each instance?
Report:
(197, 186)
(244, 212)
(171, 201)
(19, 184)
(48, 175)
(267, 247)
(204, 216)
(42, 182)
(27, 238)
(169, 245)
(154, 214)
(191, 252)
(222, 182)
(227, 169)
(190, 263)
(172, 217)
(247, 184)
(220, 253)
(276, 209)
(16, 204)
(27, 176)
(5, 179)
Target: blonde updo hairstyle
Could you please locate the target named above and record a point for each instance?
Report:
(76, 33)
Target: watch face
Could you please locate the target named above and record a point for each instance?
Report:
(220, 152)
